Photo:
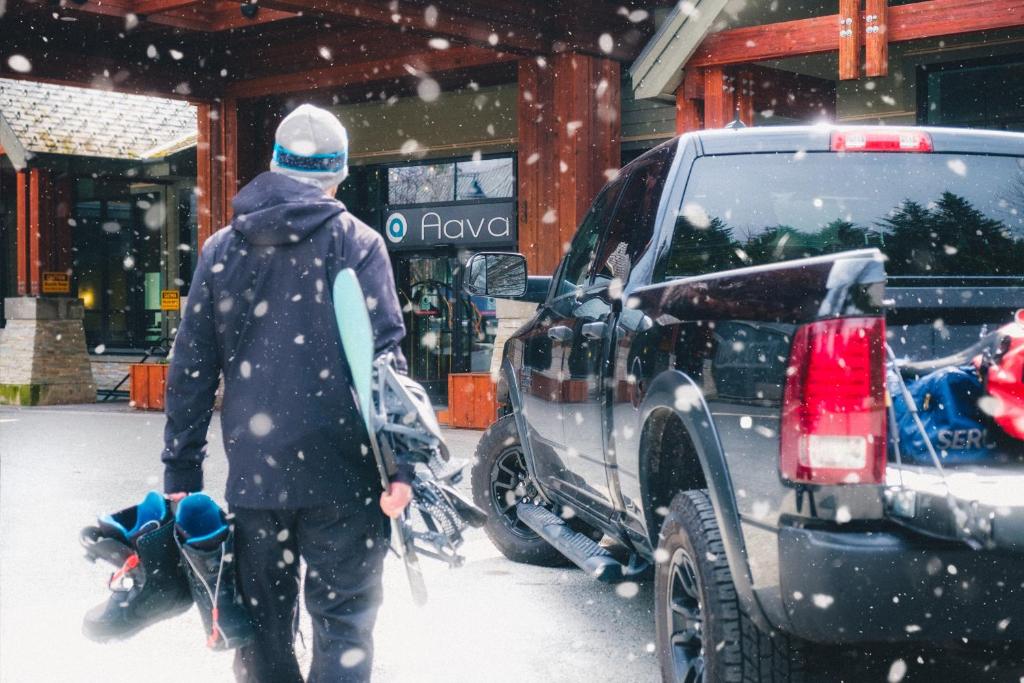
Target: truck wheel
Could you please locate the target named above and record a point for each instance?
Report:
(500, 480)
(702, 632)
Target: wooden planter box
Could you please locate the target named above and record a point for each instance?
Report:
(147, 384)
(471, 403)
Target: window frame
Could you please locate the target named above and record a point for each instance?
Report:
(454, 161)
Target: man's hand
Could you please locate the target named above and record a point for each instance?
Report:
(176, 497)
(394, 500)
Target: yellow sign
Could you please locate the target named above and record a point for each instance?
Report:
(170, 300)
(56, 283)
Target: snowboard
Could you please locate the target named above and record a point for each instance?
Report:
(357, 342)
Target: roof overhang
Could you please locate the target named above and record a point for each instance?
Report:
(12, 147)
(658, 71)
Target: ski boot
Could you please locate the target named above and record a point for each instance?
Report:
(206, 542)
(150, 585)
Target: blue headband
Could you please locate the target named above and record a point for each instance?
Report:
(315, 163)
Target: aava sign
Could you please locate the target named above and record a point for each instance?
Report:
(489, 224)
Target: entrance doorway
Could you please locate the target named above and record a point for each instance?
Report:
(446, 331)
(118, 264)
(434, 320)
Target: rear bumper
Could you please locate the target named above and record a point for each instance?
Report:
(893, 586)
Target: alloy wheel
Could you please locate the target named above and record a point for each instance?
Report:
(686, 618)
(510, 484)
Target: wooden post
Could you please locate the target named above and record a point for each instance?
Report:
(876, 38)
(534, 126)
(573, 102)
(63, 199)
(849, 39)
(718, 100)
(36, 219)
(745, 98)
(21, 237)
(690, 101)
(227, 160)
(204, 172)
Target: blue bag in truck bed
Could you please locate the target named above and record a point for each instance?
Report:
(947, 403)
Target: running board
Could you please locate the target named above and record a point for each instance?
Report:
(577, 547)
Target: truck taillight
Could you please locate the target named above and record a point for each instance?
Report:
(880, 140)
(833, 411)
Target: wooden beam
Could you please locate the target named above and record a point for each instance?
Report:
(491, 33)
(913, 21)
(849, 28)
(122, 8)
(354, 73)
(21, 236)
(876, 38)
(150, 8)
(770, 41)
(226, 18)
(105, 73)
(718, 100)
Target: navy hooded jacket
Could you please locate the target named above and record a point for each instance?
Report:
(259, 310)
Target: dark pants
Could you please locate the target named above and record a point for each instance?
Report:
(344, 552)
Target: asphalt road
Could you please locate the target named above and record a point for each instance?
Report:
(491, 620)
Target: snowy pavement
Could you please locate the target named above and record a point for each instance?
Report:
(490, 621)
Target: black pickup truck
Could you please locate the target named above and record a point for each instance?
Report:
(703, 383)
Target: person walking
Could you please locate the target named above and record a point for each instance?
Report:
(302, 482)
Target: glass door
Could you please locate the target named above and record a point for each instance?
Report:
(436, 320)
(118, 265)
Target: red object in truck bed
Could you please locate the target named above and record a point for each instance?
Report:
(1006, 378)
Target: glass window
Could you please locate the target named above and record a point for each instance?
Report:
(576, 269)
(453, 181)
(981, 95)
(632, 225)
(421, 184)
(485, 179)
(931, 214)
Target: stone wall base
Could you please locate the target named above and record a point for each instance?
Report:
(43, 357)
(511, 316)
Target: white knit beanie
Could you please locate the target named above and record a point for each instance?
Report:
(311, 146)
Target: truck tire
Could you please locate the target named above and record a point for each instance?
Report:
(500, 461)
(702, 632)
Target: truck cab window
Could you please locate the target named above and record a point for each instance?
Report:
(576, 269)
(632, 225)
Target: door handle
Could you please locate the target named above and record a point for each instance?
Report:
(560, 333)
(594, 331)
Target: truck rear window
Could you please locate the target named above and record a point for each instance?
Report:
(931, 214)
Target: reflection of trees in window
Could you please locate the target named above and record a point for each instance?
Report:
(702, 249)
(947, 237)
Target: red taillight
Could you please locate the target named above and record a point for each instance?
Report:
(881, 141)
(833, 411)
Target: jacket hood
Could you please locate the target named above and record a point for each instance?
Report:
(275, 209)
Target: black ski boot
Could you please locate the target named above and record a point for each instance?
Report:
(150, 585)
(207, 549)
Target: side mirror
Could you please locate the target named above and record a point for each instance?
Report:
(500, 275)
